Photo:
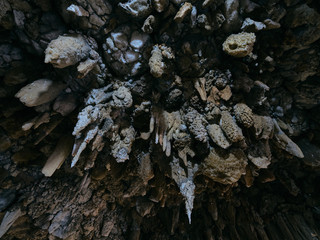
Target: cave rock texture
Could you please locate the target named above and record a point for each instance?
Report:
(159, 119)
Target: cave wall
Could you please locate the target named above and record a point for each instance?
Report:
(159, 119)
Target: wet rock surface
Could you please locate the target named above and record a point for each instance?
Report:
(159, 119)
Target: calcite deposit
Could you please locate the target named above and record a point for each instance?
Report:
(97, 112)
(184, 179)
(230, 127)
(239, 45)
(159, 119)
(224, 167)
(124, 49)
(136, 8)
(58, 156)
(243, 114)
(183, 12)
(39, 92)
(122, 144)
(66, 51)
(157, 63)
(217, 136)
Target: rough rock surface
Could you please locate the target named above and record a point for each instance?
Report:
(230, 127)
(224, 167)
(156, 62)
(216, 134)
(125, 49)
(66, 51)
(239, 45)
(39, 92)
(243, 114)
(159, 119)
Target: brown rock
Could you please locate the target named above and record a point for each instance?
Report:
(214, 96)
(183, 12)
(230, 128)
(217, 136)
(59, 154)
(225, 167)
(226, 93)
(39, 92)
(239, 45)
(67, 50)
(243, 114)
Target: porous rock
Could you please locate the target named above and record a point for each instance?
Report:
(239, 45)
(230, 127)
(216, 134)
(149, 24)
(224, 167)
(121, 148)
(67, 50)
(122, 98)
(196, 124)
(157, 60)
(243, 114)
(263, 126)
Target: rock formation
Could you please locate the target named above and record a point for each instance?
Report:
(159, 119)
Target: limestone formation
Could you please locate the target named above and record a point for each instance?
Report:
(250, 25)
(9, 218)
(239, 45)
(40, 92)
(243, 114)
(60, 153)
(121, 148)
(128, 119)
(285, 142)
(224, 167)
(199, 84)
(160, 5)
(231, 13)
(260, 154)
(185, 182)
(67, 50)
(230, 127)
(125, 49)
(157, 60)
(264, 126)
(216, 134)
(136, 8)
(183, 12)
